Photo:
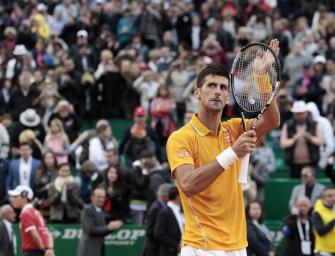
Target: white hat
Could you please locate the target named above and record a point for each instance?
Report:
(299, 107)
(319, 59)
(82, 33)
(22, 190)
(20, 49)
(29, 118)
(41, 7)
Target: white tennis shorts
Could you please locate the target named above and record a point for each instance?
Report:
(190, 251)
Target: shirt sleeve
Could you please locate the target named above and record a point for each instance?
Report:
(27, 222)
(179, 151)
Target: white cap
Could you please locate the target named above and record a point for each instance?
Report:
(20, 49)
(22, 190)
(299, 107)
(41, 7)
(82, 33)
(319, 59)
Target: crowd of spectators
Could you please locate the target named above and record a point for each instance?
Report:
(68, 62)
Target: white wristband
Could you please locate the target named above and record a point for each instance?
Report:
(227, 158)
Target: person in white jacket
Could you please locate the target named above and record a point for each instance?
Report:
(327, 132)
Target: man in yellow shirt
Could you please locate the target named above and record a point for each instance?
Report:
(323, 221)
(203, 157)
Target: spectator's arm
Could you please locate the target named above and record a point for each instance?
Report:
(317, 139)
(54, 195)
(319, 226)
(286, 142)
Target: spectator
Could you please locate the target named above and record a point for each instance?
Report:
(162, 113)
(24, 97)
(177, 79)
(8, 238)
(324, 223)
(116, 205)
(139, 137)
(65, 203)
(157, 176)
(263, 163)
(94, 226)
(23, 170)
(29, 119)
(147, 86)
(45, 175)
(4, 142)
(113, 159)
(151, 245)
(327, 132)
(309, 188)
(46, 102)
(5, 95)
(259, 236)
(69, 82)
(301, 138)
(28, 136)
(18, 63)
(57, 141)
(3, 176)
(89, 180)
(169, 225)
(297, 230)
(98, 145)
(64, 111)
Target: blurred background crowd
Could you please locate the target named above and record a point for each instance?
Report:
(66, 63)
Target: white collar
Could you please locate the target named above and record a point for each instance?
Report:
(29, 160)
(8, 224)
(174, 206)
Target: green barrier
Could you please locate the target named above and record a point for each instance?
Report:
(277, 195)
(127, 241)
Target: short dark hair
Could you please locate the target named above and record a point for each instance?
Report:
(173, 193)
(212, 69)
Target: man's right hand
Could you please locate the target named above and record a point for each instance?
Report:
(245, 143)
(115, 224)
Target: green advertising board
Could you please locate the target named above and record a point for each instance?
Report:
(127, 241)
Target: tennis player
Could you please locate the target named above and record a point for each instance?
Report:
(203, 157)
(35, 237)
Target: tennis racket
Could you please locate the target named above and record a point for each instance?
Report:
(254, 81)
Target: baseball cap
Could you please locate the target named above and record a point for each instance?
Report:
(82, 33)
(299, 107)
(320, 59)
(139, 111)
(22, 190)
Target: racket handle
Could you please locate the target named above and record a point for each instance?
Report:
(244, 166)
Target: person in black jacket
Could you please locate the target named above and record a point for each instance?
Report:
(151, 245)
(116, 205)
(298, 230)
(259, 239)
(7, 235)
(169, 225)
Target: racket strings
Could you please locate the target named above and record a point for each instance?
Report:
(252, 87)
